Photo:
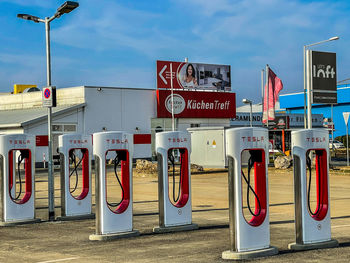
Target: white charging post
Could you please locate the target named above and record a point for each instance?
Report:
(312, 226)
(75, 160)
(17, 176)
(113, 220)
(175, 212)
(250, 238)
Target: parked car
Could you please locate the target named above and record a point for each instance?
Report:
(336, 145)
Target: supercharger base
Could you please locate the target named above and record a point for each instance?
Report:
(21, 222)
(77, 217)
(234, 255)
(107, 237)
(317, 245)
(169, 229)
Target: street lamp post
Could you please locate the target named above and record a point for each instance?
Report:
(65, 8)
(246, 101)
(307, 88)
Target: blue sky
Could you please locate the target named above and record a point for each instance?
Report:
(116, 43)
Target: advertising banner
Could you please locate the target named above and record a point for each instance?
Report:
(196, 104)
(323, 71)
(193, 76)
(280, 122)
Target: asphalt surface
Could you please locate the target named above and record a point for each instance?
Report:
(68, 241)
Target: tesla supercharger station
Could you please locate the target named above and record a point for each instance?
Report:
(175, 210)
(113, 220)
(75, 159)
(249, 235)
(312, 226)
(17, 172)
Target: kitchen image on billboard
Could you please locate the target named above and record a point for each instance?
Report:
(205, 76)
(194, 76)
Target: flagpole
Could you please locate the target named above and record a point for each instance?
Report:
(267, 94)
(172, 98)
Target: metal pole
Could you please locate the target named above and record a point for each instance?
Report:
(267, 107)
(251, 115)
(172, 98)
(48, 54)
(304, 87)
(347, 144)
(267, 95)
(262, 91)
(51, 188)
(308, 82)
(332, 126)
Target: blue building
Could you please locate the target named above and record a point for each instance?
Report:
(294, 103)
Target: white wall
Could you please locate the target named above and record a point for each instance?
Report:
(12, 131)
(183, 124)
(118, 109)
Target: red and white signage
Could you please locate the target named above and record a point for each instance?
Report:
(193, 76)
(196, 104)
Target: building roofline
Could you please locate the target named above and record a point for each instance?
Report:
(103, 87)
(295, 93)
(43, 117)
(288, 94)
(54, 113)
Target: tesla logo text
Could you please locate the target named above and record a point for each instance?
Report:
(323, 71)
(316, 139)
(117, 141)
(177, 139)
(19, 141)
(253, 139)
(78, 141)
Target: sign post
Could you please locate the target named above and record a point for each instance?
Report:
(346, 119)
(49, 101)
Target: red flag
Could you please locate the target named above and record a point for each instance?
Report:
(275, 86)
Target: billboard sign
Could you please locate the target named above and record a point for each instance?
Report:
(280, 122)
(191, 76)
(196, 104)
(323, 77)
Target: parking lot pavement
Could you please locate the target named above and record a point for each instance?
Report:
(69, 241)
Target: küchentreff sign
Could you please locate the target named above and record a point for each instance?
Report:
(323, 77)
(196, 104)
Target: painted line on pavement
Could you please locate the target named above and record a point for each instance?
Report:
(58, 260)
